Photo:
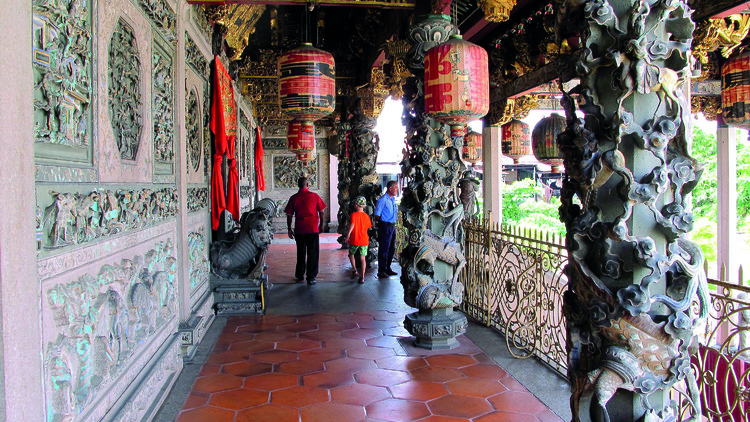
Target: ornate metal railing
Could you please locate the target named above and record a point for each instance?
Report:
(514, 283)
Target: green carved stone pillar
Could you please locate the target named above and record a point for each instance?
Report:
(633, 274)
(432, 210)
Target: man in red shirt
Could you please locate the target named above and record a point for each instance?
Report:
(307, 209)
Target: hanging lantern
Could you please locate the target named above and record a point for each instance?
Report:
(456, 83)
(516, 139)
(300, 136)
(735, 91)
(544, 140)
(472, 149)
(307, 83)
(308, 156)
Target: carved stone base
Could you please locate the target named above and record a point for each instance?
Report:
(238, 297)
(436, 328)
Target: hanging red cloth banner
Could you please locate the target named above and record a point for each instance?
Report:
(259, 175)
(224, 127)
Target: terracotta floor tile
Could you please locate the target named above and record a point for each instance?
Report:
(244, 320)
(419, 390)
(484, 371)
(204, 414)
(388, 316)
(238, 399)
(230, 338)
(255, 328)
(300, 367)
(321, 355)
(382, 325)
(253, 346)
(506, 417)
(451, 360)
(382, 377)
(337, 326)
(299, 396)
(327, 379)
(209, 369)
(279, 319)
(333, 412)
(483, 358)
(350, 365)
(220, 347)
(298, 327)
(460, 406)
(518, 402)
(396, 332)
(403, 363)
(320, 318)
(475, 387)
(274, 336)
(274, 356)
(223, 358)
(267, 413)
(398, 410)
(513, 384)
(436, 374)
(443, 419)
(361, 394)
(370, 353)
(298, 344)
(246, 369)
(344, 343)
(321, 335)
(357, 318)
(548, 416)
(362, 333)
(195, 399)
(271, 382)
(383, 341)
(218, 382)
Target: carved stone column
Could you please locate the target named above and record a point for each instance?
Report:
(632, 274)
(357, 175)
(432, 210)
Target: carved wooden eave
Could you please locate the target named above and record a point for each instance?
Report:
(563, 68)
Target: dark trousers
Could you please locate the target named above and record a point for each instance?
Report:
(308, 245)
(386, 245)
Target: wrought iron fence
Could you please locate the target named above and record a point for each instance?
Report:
(514, 283)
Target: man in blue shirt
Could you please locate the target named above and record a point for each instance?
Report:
(386, 214)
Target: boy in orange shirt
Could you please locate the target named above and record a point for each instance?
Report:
(357, 237)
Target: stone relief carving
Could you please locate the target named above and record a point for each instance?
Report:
(75, 218)
(194, 130)
(197, 198)
(198, 257)
(62, 72)
(195, 58)
(202, 22)
(163, 106)
(244, 191)
(632, 276)
(288, 169)
(162, 16)
(124, 91)
(101, 319)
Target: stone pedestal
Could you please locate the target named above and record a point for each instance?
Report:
(436, 328)
(238, 297)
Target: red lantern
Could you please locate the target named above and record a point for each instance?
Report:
(307, 83)
(735, 91)
(456, 83)
(544, 140)
(472, 149)
(300, 136)
(516, 139)
(307, 156)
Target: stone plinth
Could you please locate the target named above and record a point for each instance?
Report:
(436, 328)
(238, 297)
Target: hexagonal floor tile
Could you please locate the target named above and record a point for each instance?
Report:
(253, 346)
(370, 353)
(218, 382)
(327, 379)
(196, 399)
(337, 326)
(403, 363)
(274, 356)
(222, 358)
(460, 406)
(436, 374)
(382, 377)
(383, 341)
(451, 360)
(298, 344)
(484, 371)
(246, 369)
(321, 355)
(235, 337)
(203, 414)
(344, 343)
(266, 413)
(506, 417)
(238, 399)
(299, 396)
(298, 328)
(275, 336)
(443, 419)
(360, 394)
(476, 387)
(419, 390)
(301, 367)
(333, 412)
(321, 335)
(518, 402)
(271, 382)
(350, 365)
(397, 410)
(362, 333)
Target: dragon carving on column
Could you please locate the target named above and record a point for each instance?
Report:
(633, 275)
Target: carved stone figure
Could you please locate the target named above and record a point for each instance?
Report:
(242, 254)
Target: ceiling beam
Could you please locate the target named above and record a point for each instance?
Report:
(383, 4)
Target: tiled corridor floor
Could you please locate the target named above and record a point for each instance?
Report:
(338, 365)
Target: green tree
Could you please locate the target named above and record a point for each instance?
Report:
(521, 208)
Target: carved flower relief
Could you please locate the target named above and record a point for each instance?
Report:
(193, 125)
(601, 12)
(124, 91)
(163, 115)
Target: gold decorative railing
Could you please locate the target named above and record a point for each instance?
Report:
(514, 283)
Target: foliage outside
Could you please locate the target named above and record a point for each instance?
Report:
(520, 208)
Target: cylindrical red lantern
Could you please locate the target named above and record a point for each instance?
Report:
(300, 136)
(472, 149)
(456, 83)
(516, 139)
(307, 83)
(735, 91)
(544, 140)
